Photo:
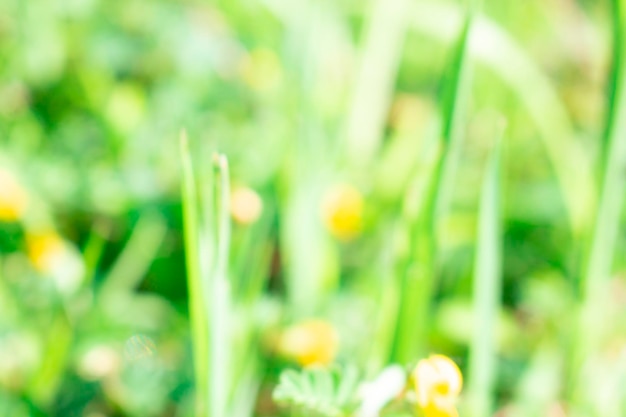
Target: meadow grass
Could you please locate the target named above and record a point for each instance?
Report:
(448, 233)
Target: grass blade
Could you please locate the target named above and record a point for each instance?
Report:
(453, 110)
(613, 181)
(220, 297)
(374, 83)
(310, 261)
(494, 49)
(419, 271)
(132, 264)
(605, 233)
(417, 268)
(197, 305)
(487, 290)
(207, 232)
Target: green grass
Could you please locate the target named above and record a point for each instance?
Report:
(396, 98)
(207, 233)
(487, 287)
(196, 280)
(420, 269)
(599, 267)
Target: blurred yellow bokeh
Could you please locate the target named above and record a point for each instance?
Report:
(53, 256)
(245, 205)
(44, 249)
(13, 197)
(310, 342)
(342, 210)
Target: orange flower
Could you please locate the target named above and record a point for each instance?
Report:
(438, 383)
(311, 342)
(342, 210)
(13, 198)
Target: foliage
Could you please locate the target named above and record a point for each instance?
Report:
(318, 391)
(395, 178)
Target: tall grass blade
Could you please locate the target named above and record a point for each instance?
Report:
(417, 268)
(374, 81)
(197, 303)
(220, 295)
(207, 231)
(453, 105)
(487, 290)
(304, 245)
(613, 182)
(421, 266)
(615, 77)
(306, 250)
(131, 265)
(388, 301)
(495, 50)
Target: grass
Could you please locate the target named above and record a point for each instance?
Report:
(198, 309)
(207, 233)
(599, 268)
(487, 288)
(421, 267)
(394, 99)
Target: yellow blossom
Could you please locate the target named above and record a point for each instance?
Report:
(57, 258)
(311, 342)
(438, 383)
(342, 210)
(245, 205)
(13, 197)
(44, 249)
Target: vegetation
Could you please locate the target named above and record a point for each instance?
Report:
(312, 208)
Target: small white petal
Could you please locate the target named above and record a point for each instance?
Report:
(384, 388)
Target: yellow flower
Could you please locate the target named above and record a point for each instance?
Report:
(245, 205)
(438, 383)
(13, 198)
(57, 258)
(44, 249)
(342, 210)
(311, 342)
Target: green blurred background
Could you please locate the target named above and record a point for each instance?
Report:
(303, 97)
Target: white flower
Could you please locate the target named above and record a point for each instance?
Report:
(377, 393)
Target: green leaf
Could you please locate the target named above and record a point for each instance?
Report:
(318, 391)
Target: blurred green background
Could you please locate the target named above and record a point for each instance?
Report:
(320, 106)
